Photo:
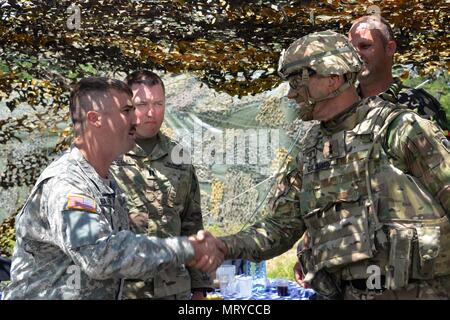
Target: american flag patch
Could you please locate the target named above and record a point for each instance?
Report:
(81, 203)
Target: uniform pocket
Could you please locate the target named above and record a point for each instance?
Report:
(426, 251)
(397, 275)
(172, 281)
(339, 235)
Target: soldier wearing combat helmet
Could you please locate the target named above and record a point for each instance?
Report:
(371, 186)
(341, 59)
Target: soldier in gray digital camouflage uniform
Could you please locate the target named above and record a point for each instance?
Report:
(73, 238)
(371, 186)
(163, 195)
(373, 39)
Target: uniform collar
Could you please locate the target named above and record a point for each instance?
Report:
(346, 120)
(89, 171)
(161, 149)
(353, 116)
(394, 88)
(391, 92)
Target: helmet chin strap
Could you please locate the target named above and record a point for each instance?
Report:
(306, 112)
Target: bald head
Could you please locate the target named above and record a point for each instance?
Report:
(374, 41)
(379, 25)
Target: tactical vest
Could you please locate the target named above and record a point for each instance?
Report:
(361, 210)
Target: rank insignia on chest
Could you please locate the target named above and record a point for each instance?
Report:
(80, 202)
(327, 149)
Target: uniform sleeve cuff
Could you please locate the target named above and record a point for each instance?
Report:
(182, 247)
(228, 242)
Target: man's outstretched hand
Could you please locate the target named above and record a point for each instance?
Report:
(209, 251)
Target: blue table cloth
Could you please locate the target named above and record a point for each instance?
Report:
(296, 292)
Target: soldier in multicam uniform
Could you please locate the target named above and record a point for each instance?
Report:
(163, 196)
(373, 38)
(73, 237)
(371, 186)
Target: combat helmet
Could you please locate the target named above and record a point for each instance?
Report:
(324, 53)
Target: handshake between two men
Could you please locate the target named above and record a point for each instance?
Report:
(210, 252)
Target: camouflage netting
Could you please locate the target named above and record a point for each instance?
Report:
(229, 49)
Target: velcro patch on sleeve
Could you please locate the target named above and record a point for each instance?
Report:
(81, 202)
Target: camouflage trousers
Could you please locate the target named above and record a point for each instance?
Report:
(141, 290)
(185, 295)
(435, 289)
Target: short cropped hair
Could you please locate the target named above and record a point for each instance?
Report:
(149, 78)
(81, 95)
(376, 23)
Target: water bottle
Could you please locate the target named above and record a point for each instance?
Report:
(258, 273)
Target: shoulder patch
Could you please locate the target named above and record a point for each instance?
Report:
(81, 202)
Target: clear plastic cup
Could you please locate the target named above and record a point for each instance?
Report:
(225, 275)
(226, 285)
(244, 286)
(227, 269)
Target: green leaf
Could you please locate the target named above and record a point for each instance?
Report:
(88, 68)
(26, 76)
(72, 75)
(44, 63)
(26, 64)
(4, 68)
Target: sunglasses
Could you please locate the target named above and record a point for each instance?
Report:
(295, 78)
